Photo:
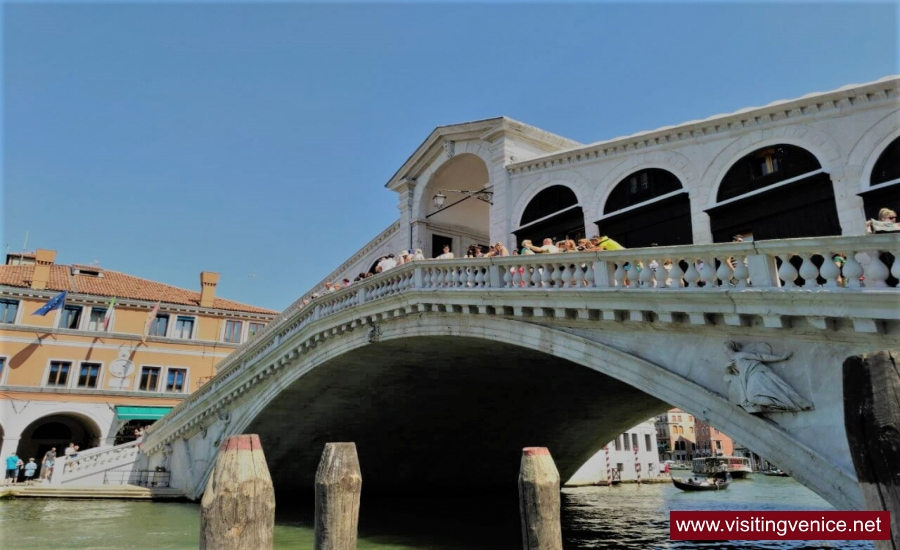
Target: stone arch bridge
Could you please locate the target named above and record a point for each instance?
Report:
(442, 370)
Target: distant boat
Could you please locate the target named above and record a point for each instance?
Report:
(737, 466)
(776, 473)
(708, 484)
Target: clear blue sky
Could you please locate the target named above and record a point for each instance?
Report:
(166, 139)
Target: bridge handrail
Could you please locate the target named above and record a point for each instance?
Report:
(93, 459)
(709, 267)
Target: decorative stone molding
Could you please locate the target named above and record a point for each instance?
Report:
(754, 386)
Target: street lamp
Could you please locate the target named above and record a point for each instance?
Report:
(440, 197)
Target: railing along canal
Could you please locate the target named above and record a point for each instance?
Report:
(822, 264)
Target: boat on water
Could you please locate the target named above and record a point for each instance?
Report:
(776, 473)
(703, 484)
(736, 466)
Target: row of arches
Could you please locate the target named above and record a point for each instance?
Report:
(775, 192)
(56, 431)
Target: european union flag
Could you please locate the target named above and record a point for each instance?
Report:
(57, 302)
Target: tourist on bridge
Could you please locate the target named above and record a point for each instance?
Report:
(547, 248)
(605, 243)
(13, 463)
(30, 469)
(69, 450)
(527, 248)
(886, 222)
(447, 255)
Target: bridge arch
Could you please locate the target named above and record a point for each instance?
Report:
(461, 220)
(553, 212)
(58, 430)
(653, 389)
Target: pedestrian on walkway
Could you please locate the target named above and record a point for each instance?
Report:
(47, 463)
(13, 463)
(30, 469)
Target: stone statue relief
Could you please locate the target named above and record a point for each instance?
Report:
(754, 386)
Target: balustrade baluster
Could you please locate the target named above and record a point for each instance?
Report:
(479, 278)
(450, 277)
(692, 276)
(556, 280)
(535, 276)
(876, 273)
(645, 273)
(435, 277)
(809, 272)
(725, 273)
(708, 273)
(741, 271)
(787, 272)
(580, 275)
(830, 271)
(515, 277)
(619, 275)
(546, 275)
(470, 277)
(895, 267)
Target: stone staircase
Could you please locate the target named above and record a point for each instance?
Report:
(91, 466)
(92, 492)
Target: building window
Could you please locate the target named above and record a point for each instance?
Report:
(618, 442)
(254, 328)
(71, 317)
(2, 370)
(160, 325)
(647, 441)
(634, 441)
(175, 380)
(96, 320)
(233, 331)
(88, 375)
(59, 373)
(149, 379)
(184, 327)
(8, 310)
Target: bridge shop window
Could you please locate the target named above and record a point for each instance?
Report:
(71, 317)
(553, 213)
(8, 311)
(160, 325)
(648, 207)
(184, 327)
(884, 183)
(176, 380)
(775, 192)
(233, 330)
(149, 380)
(58, 376)
(88, 375)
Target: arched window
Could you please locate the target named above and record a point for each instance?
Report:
(553, 213)
(775, 192)
(648, 207)
(885, 182)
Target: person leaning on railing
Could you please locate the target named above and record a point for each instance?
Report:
(886, 222)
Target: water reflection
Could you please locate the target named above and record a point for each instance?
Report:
(624, 517)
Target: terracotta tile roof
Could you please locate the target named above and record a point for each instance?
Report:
(117, 284)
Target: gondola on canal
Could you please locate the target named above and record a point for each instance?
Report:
(702, 484)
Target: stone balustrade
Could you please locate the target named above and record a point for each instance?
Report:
(89, 466)
(791, 265)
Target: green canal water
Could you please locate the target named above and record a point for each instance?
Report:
(625, 517)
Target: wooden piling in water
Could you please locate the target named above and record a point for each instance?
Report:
(539, 500)
(238, 506)
(872, 422)
(338, 490)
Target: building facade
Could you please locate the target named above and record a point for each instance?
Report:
(619, 459)
(676, 432)
(711, 441)
(818, 165)
(64, 377)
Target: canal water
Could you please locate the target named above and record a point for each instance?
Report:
(623, 517)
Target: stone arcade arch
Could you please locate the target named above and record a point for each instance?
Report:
(884, 182)
(354, 387)
(648, 207)
(553, 213)
(58, 430)
(462, 220)
(775, 192)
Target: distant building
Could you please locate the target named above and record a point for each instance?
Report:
(676, 433)
(622, 463)
(65, 378)
(712, 442)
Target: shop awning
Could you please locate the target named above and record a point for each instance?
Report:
(141, 413)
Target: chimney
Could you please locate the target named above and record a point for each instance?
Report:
(208, 282)
(43, 260)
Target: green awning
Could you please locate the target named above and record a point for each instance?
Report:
(141, 413)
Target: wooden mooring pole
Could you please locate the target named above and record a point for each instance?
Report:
(338, 490)
(539, 500)
(872, 421)
(238, 507)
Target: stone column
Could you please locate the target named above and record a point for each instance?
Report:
(846, 182)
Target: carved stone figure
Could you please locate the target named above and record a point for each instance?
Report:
(754, 386)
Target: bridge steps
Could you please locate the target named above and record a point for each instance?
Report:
(128, 492)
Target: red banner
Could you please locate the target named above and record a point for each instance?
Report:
(772, 525)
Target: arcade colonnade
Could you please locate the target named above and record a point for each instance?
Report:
(818, 165)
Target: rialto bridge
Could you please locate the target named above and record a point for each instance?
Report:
(442, 370)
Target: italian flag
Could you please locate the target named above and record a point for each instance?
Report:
(109, 314)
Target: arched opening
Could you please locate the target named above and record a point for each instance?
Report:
(648, 207)
(553, 213)
(884, 183)
(462, 220)
(58, 430)
(775, 192)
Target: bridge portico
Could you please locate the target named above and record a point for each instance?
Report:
(438, 358)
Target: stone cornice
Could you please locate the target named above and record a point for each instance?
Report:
(96, 393)
(834, 102)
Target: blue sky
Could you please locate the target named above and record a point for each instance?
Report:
(255, 139)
